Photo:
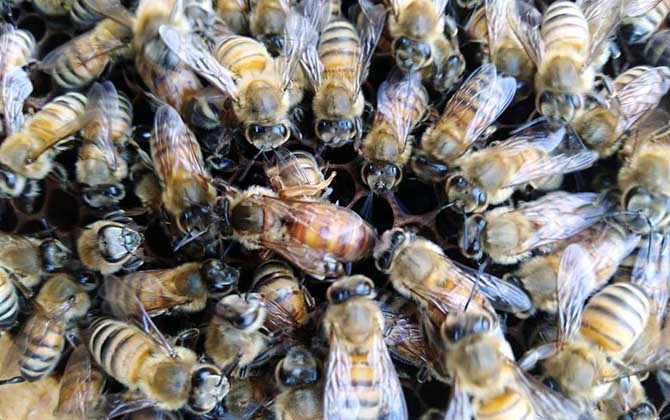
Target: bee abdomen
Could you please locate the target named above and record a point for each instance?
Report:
(510, 405)
(241, 55)
(41, 353)
(470, 99)
(83, 15)
(657, 50)
(564, 25)
(123, 120)
(615, 317)
(61, 111)
(339, 49)
(9, 302)
(366, 387)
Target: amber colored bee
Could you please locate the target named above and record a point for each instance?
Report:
(29, 153)
(508, 234)
(538, 156)
(16, 47)
(635, 92)
(419, 270)
(298, 175)
(84, 58)
(467, 117)
(233, 340)
(171, 378)
(110, 245)
(40, 344)
(288, 303)
(81, 387)
(318, 237)
(360, 381)
(297, 375)
(29, 260)
(401, 104)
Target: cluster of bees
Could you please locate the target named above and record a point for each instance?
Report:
(222, 274)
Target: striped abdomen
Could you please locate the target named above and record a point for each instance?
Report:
(176, 86)
(80, 386)
(637, 29)
(510, 405)
(121, 349)
(366, 387)
(242, 55)
(122, 122)
(283, 296)
(83, 15)
(18, 47)
(339, 50)
(42, 346)
(298, 169)
(55, 115)
(564, 27)
(657, 50)
(615, 317)
(9, 301)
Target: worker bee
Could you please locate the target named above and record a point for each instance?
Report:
(655, 51)
(298, 175)
(81, 386)
(630, 403)
(419, 270)
(111, 245)
(29, 153)
(297, 375)
(318, 237)
(467, 117)
(206, 23)
(508, 235)
(28, 259)
(591, 337)
(287, 302)
(84, 58)
(538, 156)
(106, 123)
(169, 379)
(361, 381)
(481, 367)
(337, 68)
(182, 289)
(16, 47)
(606, 243)
(388, 146)
(234, 340)
(636, 30)
(635, 92)
(235, 13)
(267, 21)
(146, 184)
(9, 301)
(244, 71)
(39, 346)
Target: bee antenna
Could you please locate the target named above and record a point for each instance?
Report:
(480, 271)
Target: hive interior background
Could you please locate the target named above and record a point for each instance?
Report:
(414, 204)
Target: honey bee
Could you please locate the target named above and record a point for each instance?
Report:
(100, 168)
(167, 380)
(509, 235)
(318, 237)
(9, 301)
(298, 175)
(235, 13)
(607, 244)
(16, 47)
(636, 30)
(206, 23)
(337, 68)
(297, 375)
(636, 92)
(361, 381)
(29, 153)
(182, 289)
(86, 13)
(567, 59)
(28, 259)
(81, 387)
(420, 271)
(244, 71)
(146, 184)
(538, 156)
(655, 52)
(482, 367)
(388, 146)
(234, 340)
(287, 302)
(630, 404)
(467, 117)
(267, 21)
(84, 58)
(40, 344)
(109, 246)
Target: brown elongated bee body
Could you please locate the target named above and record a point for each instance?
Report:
(81, 387)
(234, 13)
(233, 340)
(387, 147)
(9, 301)
(297, 375)
(16, 47)
(28, 259)
(636, 30)
(287, 302)
(108, 246)
(358, 359)
(403, 333)
(318, 237)
(134, 359)
(298, 174)
(420, 271)
(83, 59)
(29, 153)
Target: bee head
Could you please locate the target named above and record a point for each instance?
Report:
(389, 244)
(643, 411)
(265, 137)
(411, 55)
(381, 177)
(348, 287)
(558, 107)
(644, 209)
(449, 73)
(245, 312)
(337, 132)
(466, 197)
(54, 254)
(471, 238)
(208, 387)
(427, 168)
(104, 195)
(460, 325)
(299, 367)
(11, 184)
(196, 217)
(117, 242)
(274, 43)
(218, 276)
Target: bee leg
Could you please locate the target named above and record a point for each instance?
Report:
(14, 380)
(59, 173)
(133, 264)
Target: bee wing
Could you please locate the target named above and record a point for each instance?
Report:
(459, 403)
(489, 91)
(638, 97)
(393, 101)
(652, 271)
(310, 260)
(547, 403)
(339, 392)
(118, 405)
(16, 88)
(103, 105)
(78, 374)
(194, 53)
(371, 30)
(497, 19)
(312, 65)
(300, 32)
(392, 403)
(525, 25)
(96, 47)
(575, 281)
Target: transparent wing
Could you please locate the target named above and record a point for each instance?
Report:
(396, 101)
(459, 403)
(392, 403)
(301, 31)
(575, 282)
(524, 23)
(496, 22)
(117, 405)
(311, 260)
(339, 399)
(102, 105)
(80, 387)
(652, 271)
(547, 403)
(16, 88)
(637, 98)
(602, 17)
(88, 46)
(193, 52)
(371, 30)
